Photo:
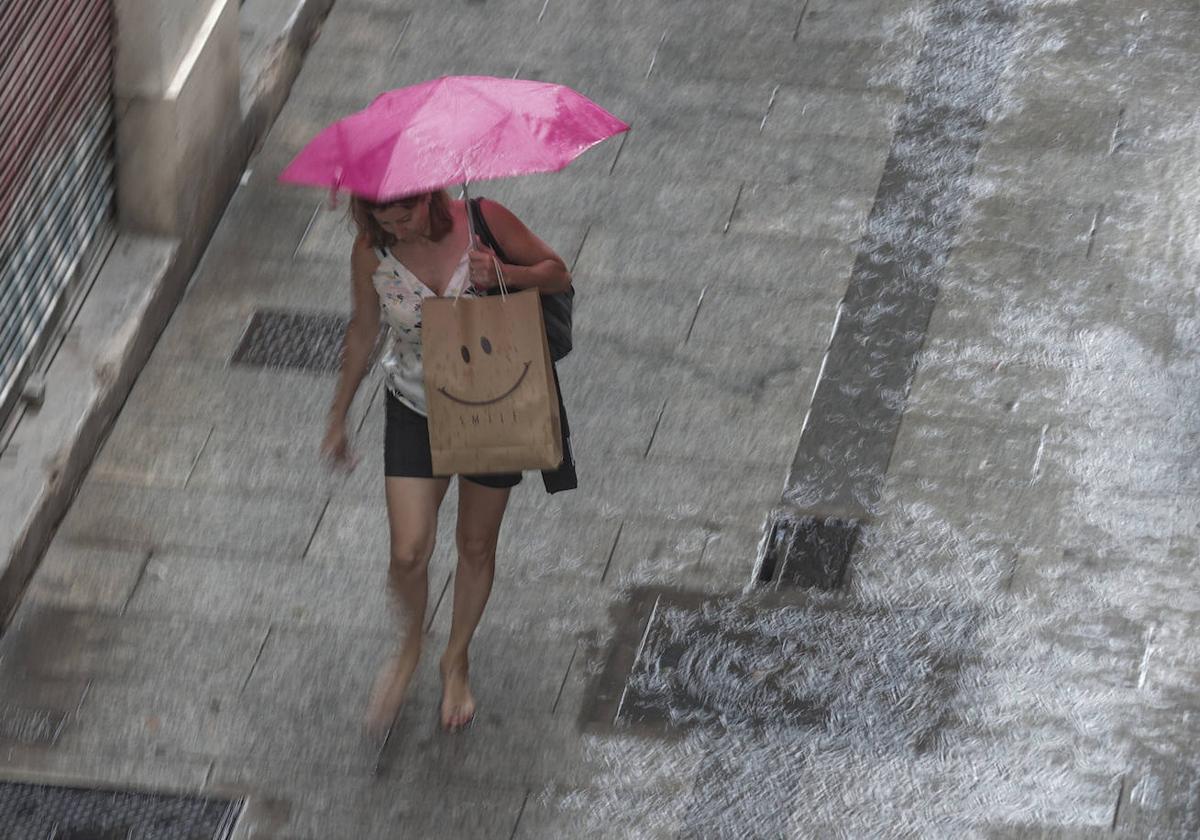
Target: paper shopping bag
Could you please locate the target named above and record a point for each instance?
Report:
(490, 391)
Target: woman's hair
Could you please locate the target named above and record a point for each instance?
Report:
(363, 210)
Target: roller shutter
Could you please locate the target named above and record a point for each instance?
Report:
(56, 168)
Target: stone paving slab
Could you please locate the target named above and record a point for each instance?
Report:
(968, 448)
(81, 577)
(50, 643)
(1055, 226)
(673, 207)
(799, 211)
(766, 433)
(251, 398)
(734, 259)
(168, 518)
(189, 725)
(104, 771)
(1091, 178)
(526, 751)
(308, 806)
(151, 455)
(265, 591)
(35, 711)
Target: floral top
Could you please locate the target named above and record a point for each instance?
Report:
(400, 297)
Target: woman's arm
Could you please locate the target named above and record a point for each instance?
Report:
(362, 332)
(533, 263)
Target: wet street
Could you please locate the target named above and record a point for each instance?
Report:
(886, 409)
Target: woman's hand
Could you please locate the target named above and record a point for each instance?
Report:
(483, 268)
(336, 446)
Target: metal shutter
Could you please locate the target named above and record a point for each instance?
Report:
(56, 167)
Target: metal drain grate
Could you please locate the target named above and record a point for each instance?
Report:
(683, 659)
(46, 812)
(282, 339)
(808, 551)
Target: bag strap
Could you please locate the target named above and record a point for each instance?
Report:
(482, 230)
(484, 234)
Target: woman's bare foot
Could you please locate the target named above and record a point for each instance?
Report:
(391, 686)
(458, 706)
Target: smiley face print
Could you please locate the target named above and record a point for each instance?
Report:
(479, 356)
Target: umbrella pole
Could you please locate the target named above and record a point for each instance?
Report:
(470, 221)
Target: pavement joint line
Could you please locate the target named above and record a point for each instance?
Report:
(704, 548)
(737, 198)
(770, 104)
(1117, 808)
(579, 250)
(1115, 141)
(199, 454)
(695, 315)
(367, 411)
(316, 527)
(1011, 577)
(396, 45)
(312, 220)
(1144, 667)
(800, 21)
(438, 604)
(257, 657)
(612, 551)
(87, 689)
(138, 581)
(1096, 220)
(524, 801)
(654, 431)
(654, 57)
(562, 686)
(620, 148)
(637, 655)
(381, 768)
(1035, 473)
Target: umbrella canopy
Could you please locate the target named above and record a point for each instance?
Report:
(452, 130)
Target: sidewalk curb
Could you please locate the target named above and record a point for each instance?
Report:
(133, 297)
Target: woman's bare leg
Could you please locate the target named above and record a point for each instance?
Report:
(412, 519)
(480, 511)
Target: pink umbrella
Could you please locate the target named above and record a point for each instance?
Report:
(452, 130)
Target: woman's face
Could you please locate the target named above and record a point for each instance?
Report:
(405, 223)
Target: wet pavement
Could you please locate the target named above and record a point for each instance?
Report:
(927, 268)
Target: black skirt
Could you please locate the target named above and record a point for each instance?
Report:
(406, 448)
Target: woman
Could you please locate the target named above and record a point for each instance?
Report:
(407, 250)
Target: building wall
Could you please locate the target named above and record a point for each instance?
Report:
(179, 121)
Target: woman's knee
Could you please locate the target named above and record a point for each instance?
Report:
(477, 550)
(409, 558)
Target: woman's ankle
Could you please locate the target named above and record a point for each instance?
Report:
(454, 660)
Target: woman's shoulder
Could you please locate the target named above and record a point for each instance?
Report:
(499, 216)
(364, 256)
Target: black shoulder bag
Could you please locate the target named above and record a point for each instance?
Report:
(556, 308)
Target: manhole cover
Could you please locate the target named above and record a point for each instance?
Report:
(684, 659)
(47, 812)
(808, 550)
(281, 339)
